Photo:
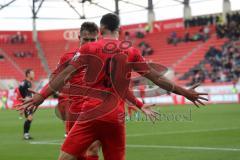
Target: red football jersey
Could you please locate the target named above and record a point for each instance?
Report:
(76, 80)
(103, 50)
(64, 61)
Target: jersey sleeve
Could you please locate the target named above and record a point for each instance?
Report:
(140, 64)
(61, 64)
(77, 59)
(136, 55)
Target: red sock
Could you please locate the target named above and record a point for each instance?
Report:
(92, 158)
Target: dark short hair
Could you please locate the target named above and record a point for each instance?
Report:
(110, 21)
(28, 71)
(89, 26)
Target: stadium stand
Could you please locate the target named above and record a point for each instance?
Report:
(186, 54)
(57, 42)
(54, 49)
(177, 57)
(198, 54)
(24, 62)
(219, 64)
(164, 53)
(8, 70)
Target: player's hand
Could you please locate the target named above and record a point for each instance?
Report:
(194, 96)
(149, 112)
(31, 103)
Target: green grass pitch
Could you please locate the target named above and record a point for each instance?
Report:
(183, 133)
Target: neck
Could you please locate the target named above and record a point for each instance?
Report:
(110, 35)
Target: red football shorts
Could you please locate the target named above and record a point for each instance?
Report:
(68, 112)
(110, 134)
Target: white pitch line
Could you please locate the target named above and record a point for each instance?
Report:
(181, 132)
(150, 134)
(59, 142)
(159, 147)
(53, 142)
(184, 147)
(56, 140)
(46, 143)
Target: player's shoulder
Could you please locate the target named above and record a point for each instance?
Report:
(90, 47)
(22, 83)
(68, 55)
(134, 55)
(133, 51)
(25, 82)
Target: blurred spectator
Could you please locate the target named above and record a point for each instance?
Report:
(186, 37)
(173, 39)
(202, 35)
(198, 77)
(231, 29)
(206, 32)
(1, 57)
(221, 30)
(145, 49)
(139, 34)
(202, 21)
(213, 52)
(148, 28)
(198, 36)
(18, 38)
(23, 54)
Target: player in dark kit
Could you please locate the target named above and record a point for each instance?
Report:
(25, 93)
(107, 61)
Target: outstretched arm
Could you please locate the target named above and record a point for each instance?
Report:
(166, 84)
(131, 98)
(154, 72)
(147, 110)
(59, 80)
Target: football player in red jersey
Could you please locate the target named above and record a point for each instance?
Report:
(88, 33)
(105, 81)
